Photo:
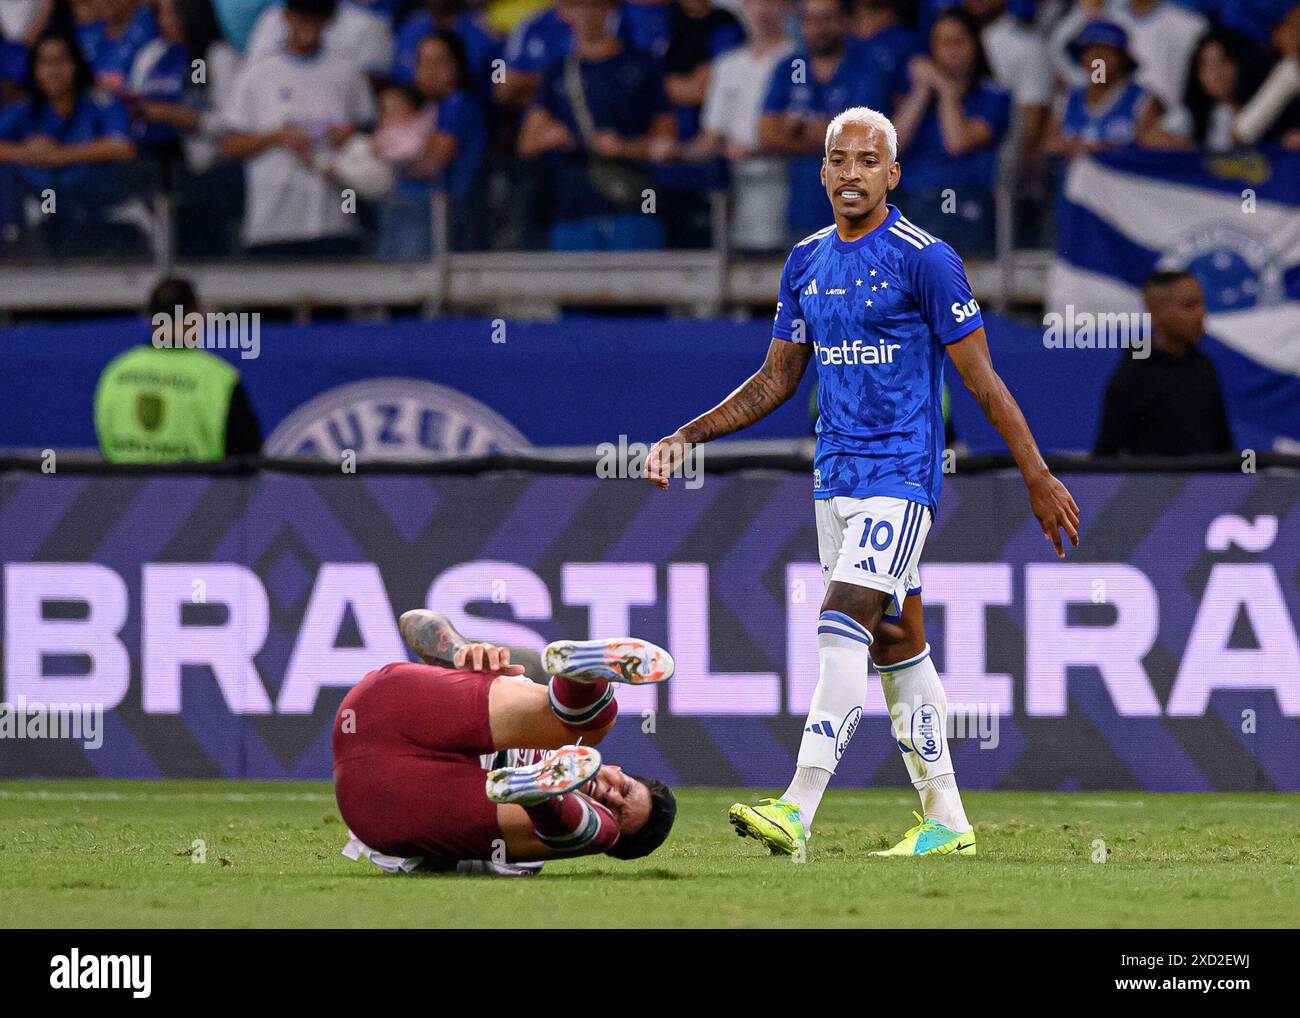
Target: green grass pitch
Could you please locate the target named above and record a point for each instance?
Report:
(114, 854)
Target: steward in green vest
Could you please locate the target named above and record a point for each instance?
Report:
(173, 405)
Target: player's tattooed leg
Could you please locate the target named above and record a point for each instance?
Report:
(431, 635)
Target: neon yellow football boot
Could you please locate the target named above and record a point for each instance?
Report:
(774, 822)
(929, 837)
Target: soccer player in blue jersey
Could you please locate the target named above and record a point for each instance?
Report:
(878, 302)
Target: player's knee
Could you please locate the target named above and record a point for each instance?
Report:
(894, 642)
(865, 605)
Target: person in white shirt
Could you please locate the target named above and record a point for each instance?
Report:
(1018, 56)
(1162, 37)
(22, 20)
(285, 107)
(362, 37)
(733, 104)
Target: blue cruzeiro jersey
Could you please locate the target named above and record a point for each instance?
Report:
(879, 311)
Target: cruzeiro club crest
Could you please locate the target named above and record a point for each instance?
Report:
(393, 419)
(1237, 269)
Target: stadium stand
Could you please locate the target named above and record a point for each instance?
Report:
(183, 130)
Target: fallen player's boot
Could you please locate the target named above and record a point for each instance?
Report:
(625, 659)
(929, 837)
(561, 771)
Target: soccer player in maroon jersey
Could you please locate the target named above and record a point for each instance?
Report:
(410, 741)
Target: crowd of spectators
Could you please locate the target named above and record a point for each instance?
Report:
(322, 127)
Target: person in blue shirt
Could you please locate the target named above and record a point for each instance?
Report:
(950, 125)
(878, 303)
(545, 39)
(111, 43)
(159, 76)
(700, 33)
(601, 117)
(65, 141)
(1255, 18)
(386, 9)
(824, 77)
(887, 43)
(535, 44)
(648, 25)
(1112, 111)
(480, 42)
(451, 159)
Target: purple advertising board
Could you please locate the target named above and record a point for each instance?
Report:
(213, 623)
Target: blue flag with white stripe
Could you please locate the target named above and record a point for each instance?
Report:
(1234, 222)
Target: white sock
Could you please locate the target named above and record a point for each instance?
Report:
(941, 801)
(918, 709)
(806, 790)
(843, 655)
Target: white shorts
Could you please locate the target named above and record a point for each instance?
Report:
(873, 542)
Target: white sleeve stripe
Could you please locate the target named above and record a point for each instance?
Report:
(908, 224)
(816, 236)
(912, 231)
(911, 240)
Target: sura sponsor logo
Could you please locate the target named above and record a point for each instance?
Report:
(75, 971)
(1084, 330)
(847, 727)
(961, 312)
(82, 722)
(926, 737)
(857, 352)
(175, 330)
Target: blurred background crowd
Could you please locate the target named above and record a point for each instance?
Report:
(318, 128)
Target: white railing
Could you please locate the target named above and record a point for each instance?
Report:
(535, 284)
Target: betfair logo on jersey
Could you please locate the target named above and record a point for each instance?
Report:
(857, 352)
(963, 311)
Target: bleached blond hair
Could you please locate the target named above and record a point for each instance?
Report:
(870, 117)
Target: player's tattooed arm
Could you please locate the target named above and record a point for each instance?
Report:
(765, 390)
(1049, 499)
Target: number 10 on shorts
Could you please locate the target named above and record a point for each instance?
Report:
(881, 535)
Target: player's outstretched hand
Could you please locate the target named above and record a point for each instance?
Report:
(665, 456)
(486, 657)
(1056, 511)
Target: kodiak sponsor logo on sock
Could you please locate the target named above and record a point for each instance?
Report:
(926, 737)
(847, 727)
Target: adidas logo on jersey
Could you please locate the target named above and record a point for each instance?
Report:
(821, 728)
(811, 289)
